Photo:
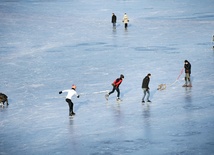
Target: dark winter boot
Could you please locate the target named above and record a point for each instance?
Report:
(71, 113)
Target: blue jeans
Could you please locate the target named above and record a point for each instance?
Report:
(145, 90)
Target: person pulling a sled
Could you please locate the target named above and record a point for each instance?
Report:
(116, 85)
(70, 93)
(187, 67)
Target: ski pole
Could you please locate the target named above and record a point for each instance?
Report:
(180, 73)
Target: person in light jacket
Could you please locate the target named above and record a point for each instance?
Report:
(125, 20)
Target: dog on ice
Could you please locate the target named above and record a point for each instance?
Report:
(161, 87)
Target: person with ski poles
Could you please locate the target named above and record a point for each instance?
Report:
(187, 67)
(70, 93)
(116, 85)
(145, 87)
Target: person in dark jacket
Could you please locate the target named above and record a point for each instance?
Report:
(145, 87)
(116, 85)
(187, 67)
(114, 20)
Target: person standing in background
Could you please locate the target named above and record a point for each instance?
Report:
(125, 20)
(114, 20)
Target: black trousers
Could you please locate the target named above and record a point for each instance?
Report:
(117, 89)
(126, 25)
(70, 104)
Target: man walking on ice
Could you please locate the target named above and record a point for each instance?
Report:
(116, 85)
(145, 87)
(71, 92)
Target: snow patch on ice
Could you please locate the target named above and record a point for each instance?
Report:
(36, 85)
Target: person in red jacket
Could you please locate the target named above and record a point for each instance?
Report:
(116, 85)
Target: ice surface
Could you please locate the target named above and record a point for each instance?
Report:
(46, 46)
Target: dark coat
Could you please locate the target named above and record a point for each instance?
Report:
(114, 19)
(187, 68)
(145, 83)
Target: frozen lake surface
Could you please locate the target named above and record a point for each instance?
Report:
(46, 46)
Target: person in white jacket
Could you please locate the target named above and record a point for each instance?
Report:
(71, 92)
(125, 20)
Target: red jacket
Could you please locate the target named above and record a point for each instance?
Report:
(117, 82)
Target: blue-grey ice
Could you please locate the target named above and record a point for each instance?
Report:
(46, 46)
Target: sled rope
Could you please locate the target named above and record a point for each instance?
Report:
(177, 78)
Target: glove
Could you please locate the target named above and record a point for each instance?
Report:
(78, 96)
(60, 92)
(113, 84)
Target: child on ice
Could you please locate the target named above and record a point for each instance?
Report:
(71, 92)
